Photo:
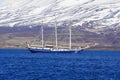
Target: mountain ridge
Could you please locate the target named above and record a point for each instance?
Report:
(94, 21)
(90, 14)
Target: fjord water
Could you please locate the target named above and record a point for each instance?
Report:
(20, 64)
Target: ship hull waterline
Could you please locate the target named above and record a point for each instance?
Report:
(53, 51)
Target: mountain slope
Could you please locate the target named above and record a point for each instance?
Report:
(90, 15)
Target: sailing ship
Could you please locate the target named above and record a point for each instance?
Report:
(52, 48)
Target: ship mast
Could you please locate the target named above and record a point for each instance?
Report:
(42, 36)
(42, 32)
(56, 39)
(70, 35)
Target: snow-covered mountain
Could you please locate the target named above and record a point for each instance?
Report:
(90, 15)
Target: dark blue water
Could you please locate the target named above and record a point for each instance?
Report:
(90, 65)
